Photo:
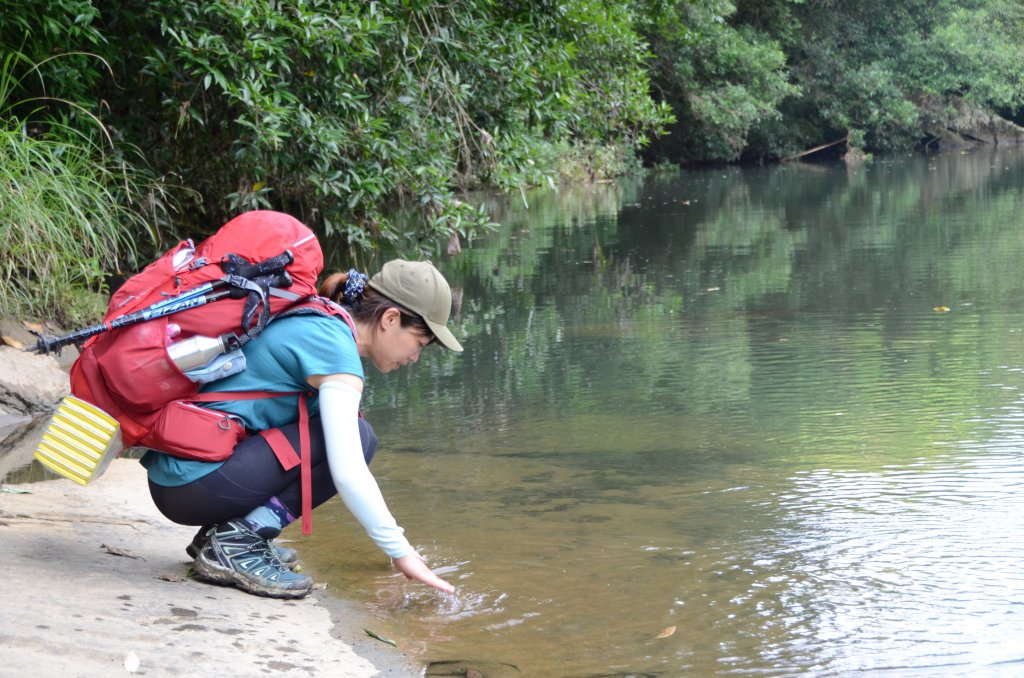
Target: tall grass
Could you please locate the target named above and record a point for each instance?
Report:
(68, 213)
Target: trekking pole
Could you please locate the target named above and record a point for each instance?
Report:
(200, 296)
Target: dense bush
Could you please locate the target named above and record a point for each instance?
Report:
(340, 111)
(335, 111)
(865, 68)
(70, 209)
(755, 79)
(723, 82)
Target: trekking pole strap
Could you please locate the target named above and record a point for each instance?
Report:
(233, 264)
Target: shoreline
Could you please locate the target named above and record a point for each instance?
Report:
(98, 582)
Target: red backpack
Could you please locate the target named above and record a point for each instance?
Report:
(257, 267)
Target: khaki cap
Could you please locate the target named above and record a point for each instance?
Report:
(421, 288)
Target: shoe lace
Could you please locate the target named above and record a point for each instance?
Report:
(269, 553)
(266, 549)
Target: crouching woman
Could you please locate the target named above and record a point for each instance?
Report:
(243, 503)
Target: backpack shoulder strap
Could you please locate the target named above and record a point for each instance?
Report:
(321, 306)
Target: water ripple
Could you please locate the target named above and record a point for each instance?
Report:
(919, 562)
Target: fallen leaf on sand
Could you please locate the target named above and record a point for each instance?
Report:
(33, 327)
(114, 551)
(14, 490)
(666, 632)
(13, 343)
(171, 577)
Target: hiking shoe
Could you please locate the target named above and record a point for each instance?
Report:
(288, 557)
(237, 555)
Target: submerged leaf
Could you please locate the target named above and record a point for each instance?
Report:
(666, 632)
(380, 638)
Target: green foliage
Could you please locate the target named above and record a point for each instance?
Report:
(336, 112)
(984, 47)
(882, 70)
(341, 112)
(722, 81)
(67, 210)
(767, 79)
(869, 104)
(39, 30)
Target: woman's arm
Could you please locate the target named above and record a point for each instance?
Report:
(339, 410)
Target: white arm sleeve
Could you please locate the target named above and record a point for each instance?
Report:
(339, 411)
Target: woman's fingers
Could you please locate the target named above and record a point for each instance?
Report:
(413, 566)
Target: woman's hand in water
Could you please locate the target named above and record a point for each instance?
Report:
(413, 566)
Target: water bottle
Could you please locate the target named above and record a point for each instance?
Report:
(195, 351)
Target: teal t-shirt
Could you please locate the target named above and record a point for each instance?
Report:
(289, 351)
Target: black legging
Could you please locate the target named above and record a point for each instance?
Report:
(252, 475)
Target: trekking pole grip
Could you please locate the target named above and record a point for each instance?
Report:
(236, 265)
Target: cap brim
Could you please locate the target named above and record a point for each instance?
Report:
(444, 336)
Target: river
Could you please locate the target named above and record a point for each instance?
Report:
(759, 421)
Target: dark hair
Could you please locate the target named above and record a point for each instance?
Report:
(370, 305)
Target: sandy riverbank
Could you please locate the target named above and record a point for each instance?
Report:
(96, 583)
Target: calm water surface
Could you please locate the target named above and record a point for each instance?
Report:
(778, 410)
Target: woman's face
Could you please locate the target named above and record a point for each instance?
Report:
(395, 346)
